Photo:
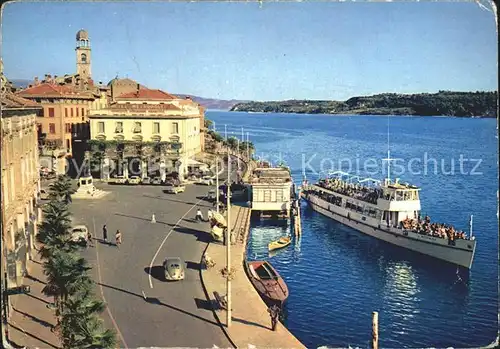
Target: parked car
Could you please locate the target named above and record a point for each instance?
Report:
(174, 269)
(118, 180)
(134, 180)
(79, 233)
(156, 181)
(206, 180)
(174, 188)
(146, 180)
(44, 194)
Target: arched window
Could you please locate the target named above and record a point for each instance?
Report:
(84, 58)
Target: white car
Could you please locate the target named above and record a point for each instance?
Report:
(134, 180)
(174, 269)
(79, 233)
(118, 180)
(174, 189)
(206, 180)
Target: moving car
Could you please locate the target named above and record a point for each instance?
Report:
(44, 194)
(174, 269)
(79, 233)
(146, 180)
(174, 188)
(134, 180)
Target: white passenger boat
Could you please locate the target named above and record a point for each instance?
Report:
(389, 211)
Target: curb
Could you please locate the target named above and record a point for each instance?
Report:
(223, 327)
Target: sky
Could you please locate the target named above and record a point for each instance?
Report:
(268, 51)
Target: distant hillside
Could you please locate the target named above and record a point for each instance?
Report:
(211, 103)
(208, 103)
(20, 83)
(446, 103)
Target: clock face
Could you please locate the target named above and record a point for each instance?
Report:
(83, 58)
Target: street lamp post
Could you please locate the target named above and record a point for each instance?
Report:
(217, 182)
(228, 242)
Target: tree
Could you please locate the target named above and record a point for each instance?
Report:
(66, 274)
(232, 142)
(80, 327)
(54, 232)
(208, 123)
(62, 189)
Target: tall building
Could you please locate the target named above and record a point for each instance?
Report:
(152, 123)
(66, 102)
(20, 184)
(83, 63)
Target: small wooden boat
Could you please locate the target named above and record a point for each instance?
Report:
(280, 243)
(268, 283)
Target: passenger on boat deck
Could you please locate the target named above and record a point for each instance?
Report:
(440, 230)
(353, 190)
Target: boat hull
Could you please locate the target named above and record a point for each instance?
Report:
(273, 291)
(275, 245)
(461, 255)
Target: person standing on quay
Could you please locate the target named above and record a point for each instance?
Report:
(105, 233)
(118, 237)
(274, 313)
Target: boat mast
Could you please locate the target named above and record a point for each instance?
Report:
(388, 159)
(470, 227)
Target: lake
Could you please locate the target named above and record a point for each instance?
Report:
(337, 277)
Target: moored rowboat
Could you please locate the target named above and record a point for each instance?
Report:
(280, 243)
(268, 283)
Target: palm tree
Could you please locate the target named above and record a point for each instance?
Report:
(62, 189)
(79, 309)
(54, 230)
(91, 334)
(232, 142)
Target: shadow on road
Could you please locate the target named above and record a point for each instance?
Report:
(157, 272)
(31, 335)
(169, 199)
(193, 265)
(154, 300)
(109, 243)
(34, 318)
(203, 304)
(200, 235)
(35, 279)
(142, 219)
(251, 323)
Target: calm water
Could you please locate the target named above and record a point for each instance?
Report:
(338, 276)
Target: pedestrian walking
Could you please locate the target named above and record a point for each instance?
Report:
(199, 215)
(274, 312)
(105, 233)
(118, 237)
(89, 239)
(210, 214)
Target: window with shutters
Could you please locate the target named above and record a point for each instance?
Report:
(100, 127)
(119, 127)
(52, 128)
(156, 127)
(175, 127)
(51, 112)
(137, 127)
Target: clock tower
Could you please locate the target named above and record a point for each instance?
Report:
(83, 66)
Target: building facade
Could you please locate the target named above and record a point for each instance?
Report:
(271, 190)
(66, 101)
(143, 116)
(20, 185)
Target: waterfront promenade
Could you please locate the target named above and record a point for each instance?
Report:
(251, 323)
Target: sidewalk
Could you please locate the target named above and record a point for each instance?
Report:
(30, 321)
(251, 323)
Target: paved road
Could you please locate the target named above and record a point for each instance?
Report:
(177, 313)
